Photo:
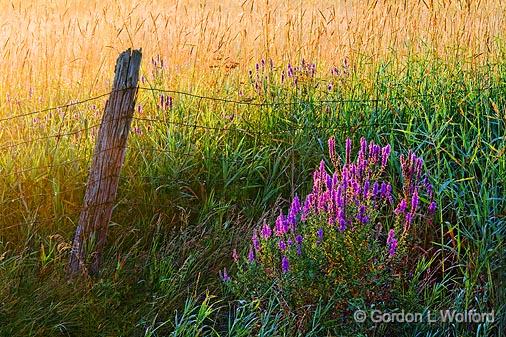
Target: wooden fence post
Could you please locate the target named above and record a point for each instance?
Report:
(90, 236)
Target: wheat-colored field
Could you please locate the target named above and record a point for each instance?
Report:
(236, 103)
(52, 45)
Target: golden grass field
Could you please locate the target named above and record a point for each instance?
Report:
(237, 141)
(72, 45)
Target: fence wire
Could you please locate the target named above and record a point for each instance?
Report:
(143, 149)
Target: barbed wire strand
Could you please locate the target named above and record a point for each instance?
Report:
(238, 102)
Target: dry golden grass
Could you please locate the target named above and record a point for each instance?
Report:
(73, 44)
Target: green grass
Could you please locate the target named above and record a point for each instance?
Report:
(189, 195)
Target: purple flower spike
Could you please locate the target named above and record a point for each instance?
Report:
(365, 192)
(401, 208)
(409, 220)
(224, 275)
(299, 250)
(363, 147)
(344, 178)
(306, 208)
(332, 149)
(251, 255)
(342, 220)
(294, 211)
(266, 231)
(432, 207)
(391, 242)
(385, 153)
(348, 151)
(319, 235)
(414, 201)
(356, 188)
(383, 189)
(285, 265)
(299, 239)
(339, 197)
(375, 189)
(386, 191)
(281, 227)
(362, 216)
(254, 240)
(282, 245)
(295, 207)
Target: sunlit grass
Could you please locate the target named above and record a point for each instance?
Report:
(428, 77)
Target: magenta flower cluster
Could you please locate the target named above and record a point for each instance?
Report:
(355, 194)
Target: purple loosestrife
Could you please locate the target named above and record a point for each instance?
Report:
(344, 178)
(350, 198)
(375, 190)
(391, 242)
(365, 192)
(295, 207)
(282, 245)
(235, 256)
(411, 168)
(432, 207)
(285, 265)
(362, 153)
(290, 70)
(384, 190)
(348, 151)
(306, 209)
(251, 255)
(254, 240)
(401, 208)
(224, 275)
(281, 226)
(340, 197)
(341, 216)
(319, 235)
(414, 201)
(409, 220)
(332, 149)
(266, 231)
(385, 153)
(362, 216)
(323, 202)
(428, 187)
(374, 153)
(356, 189)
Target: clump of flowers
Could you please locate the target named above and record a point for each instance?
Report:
(347, 236)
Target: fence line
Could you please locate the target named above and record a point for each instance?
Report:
(233, 128)
(56, 107)
(248, 103)
(189, 125)
(263, 104)
(290, 129)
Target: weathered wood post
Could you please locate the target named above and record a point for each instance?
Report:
(90, 236)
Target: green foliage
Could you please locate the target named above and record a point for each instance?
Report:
(189, 195)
